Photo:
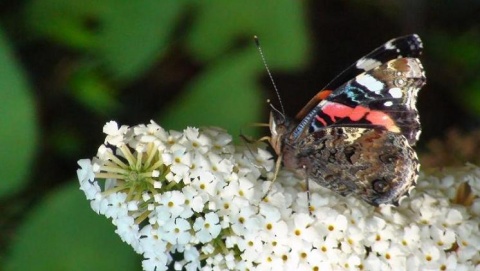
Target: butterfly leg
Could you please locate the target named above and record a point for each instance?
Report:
(278, 164)
(309, 206)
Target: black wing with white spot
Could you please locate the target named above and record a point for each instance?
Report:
(405, 46)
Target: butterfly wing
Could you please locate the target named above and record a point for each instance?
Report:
(378, 166)
(383, 97)
(401, 47)
(405, 46)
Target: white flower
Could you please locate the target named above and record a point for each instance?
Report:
(193, 199)
(219, 164)
(116, 205)
(179, 162)
(334, 224)
(86, 172)
(193, 140)
(276, 197)
(264, 159)
(328, 249)
(468, 240)
(192, 258)
(127, 229)
(193, 194)
(244, 220)
(443, 238)
(302, 229)
(114, 134)
(431, 256)
(382, 239)
(272, 224)
(86, 177)
(207, 183)
(220, 140)
(270, 262)
(251, 246)
(154, 260)
(373, 262)
(174, 201)
(353, 241)
(178, 231)
(394, 256)
(411, 237)
(207, 228)
(230, 260)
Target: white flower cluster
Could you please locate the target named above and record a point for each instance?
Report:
(193, 201)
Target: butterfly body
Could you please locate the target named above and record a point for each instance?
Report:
(357, 138)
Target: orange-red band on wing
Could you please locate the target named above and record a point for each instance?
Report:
(375, 117)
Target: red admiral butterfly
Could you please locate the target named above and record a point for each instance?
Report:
(356, 135)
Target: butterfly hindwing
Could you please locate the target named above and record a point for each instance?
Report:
(376, 165)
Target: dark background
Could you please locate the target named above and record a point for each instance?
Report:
(68, 67)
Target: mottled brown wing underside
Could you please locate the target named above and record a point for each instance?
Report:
(376, 165)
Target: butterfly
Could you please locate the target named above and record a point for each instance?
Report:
(355, 136)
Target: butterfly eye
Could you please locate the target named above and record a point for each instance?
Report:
(380, 186)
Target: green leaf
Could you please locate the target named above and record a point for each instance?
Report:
(280, 25)
(225, 96)
(135, 34)
(127, 37)
(63, 233)
(17, 118)
(66, 22)
(90, 89)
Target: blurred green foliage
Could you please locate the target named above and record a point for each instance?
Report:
(103, 48)
(62, 233)
(19, 130)
(463, 54)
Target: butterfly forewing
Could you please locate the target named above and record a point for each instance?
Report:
(405, 46)
(383, 97)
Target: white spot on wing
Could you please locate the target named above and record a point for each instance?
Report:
(395, 92)
(370, 83)
(388, 103)
(389, 45)
(367, 64)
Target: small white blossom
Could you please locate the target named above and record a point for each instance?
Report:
(175, 202)
(116, 206)
(302, 229)
(115, 135)
(207, 228)
(193, 199)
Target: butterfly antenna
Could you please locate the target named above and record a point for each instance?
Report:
(274, 108)
(257, 43)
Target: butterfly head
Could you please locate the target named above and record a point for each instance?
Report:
(280, 126)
